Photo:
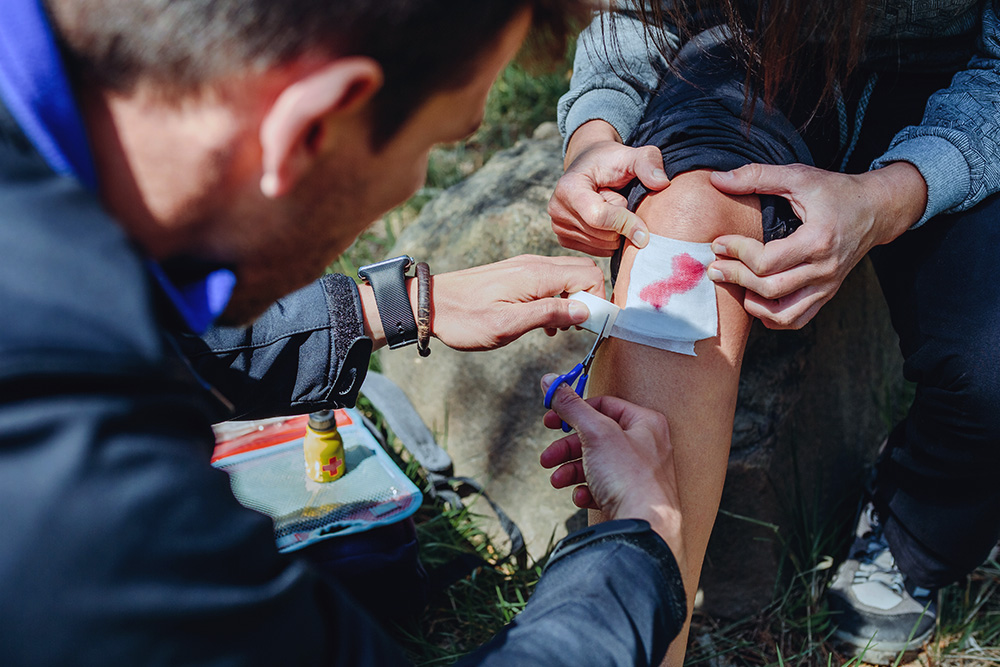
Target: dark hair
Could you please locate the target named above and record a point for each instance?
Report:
(181, 46)
(776, 40)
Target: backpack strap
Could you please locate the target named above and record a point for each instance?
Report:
(400, 415)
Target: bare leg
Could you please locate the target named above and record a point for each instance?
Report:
(697, 394)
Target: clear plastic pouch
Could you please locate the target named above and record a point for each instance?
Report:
(266, 470)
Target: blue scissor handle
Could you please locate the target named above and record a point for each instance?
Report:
(567, 378)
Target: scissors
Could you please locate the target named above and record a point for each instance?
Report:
(581, 371)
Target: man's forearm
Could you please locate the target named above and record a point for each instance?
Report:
(577, 614)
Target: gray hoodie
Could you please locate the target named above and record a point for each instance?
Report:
(956, 147)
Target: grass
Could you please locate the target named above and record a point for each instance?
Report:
(793, 629)
(518, 103)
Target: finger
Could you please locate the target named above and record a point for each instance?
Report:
(600, 417)
(555, 276)
(587, 248)
(561, 451)
(790, 312)
(570, 226)
(584, 499)
(613, 198)
(568, 474)
(552, 421)
(572, 409)
(760, 179)
(548, 313)
(773, 257)
(648, 167)
(624, 413)
(599, 239)
(592, 209)
(774, 286)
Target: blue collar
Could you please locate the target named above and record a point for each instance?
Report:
(36, 90)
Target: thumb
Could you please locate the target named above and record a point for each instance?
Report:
(752, 178)
(569, 405)
(551, 313)
(648, 168)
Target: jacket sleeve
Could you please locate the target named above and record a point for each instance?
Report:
(610, 594)
(956, 147)
(615, 73)
(307, 352)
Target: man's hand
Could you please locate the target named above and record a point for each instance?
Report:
(619, 458)
(487, 307)
(587, 214)
(844, 216)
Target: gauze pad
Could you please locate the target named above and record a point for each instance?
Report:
(671, 302)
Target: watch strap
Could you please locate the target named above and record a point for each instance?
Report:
(388, 283)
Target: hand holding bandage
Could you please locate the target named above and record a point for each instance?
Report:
(844, 216)
(588, 213)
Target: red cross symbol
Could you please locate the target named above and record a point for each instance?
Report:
(331, 468)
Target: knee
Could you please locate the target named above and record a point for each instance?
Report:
(691, 209)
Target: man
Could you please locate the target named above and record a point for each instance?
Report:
(166, 165)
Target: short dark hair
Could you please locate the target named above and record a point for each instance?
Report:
(180, 46)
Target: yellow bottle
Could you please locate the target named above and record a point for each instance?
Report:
(324, 448)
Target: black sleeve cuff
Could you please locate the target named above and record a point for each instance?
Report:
(350, 348)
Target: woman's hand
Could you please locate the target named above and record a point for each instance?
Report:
(844, 216)
(489, 306)
(587, 214)
(619, 457)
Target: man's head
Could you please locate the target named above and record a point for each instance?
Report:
(269, 134)
(183, 45)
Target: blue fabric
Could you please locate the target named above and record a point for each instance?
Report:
(201, 302)
(37, 92)
(33, 82)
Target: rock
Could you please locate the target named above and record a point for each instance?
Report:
(810, 413)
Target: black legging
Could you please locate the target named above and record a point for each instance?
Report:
(937, 484)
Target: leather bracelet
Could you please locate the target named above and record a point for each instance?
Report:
(423, 308)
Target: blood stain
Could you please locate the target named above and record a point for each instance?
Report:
(687, 271)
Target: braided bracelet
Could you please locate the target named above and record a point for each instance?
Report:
(423, 308)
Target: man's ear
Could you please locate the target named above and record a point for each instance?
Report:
(291, 133)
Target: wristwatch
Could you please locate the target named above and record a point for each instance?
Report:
(388, 281)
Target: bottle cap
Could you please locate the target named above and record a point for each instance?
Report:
(324, 420)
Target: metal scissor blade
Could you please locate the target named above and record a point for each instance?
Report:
(605, 330)
(609, 324)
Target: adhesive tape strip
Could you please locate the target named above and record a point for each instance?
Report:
(599, 310)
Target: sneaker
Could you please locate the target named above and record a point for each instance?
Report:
(878, 613)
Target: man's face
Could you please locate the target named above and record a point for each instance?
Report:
(352, 185)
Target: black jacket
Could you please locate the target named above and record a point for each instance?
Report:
(121, 545)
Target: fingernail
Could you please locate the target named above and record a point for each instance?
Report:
(548, 379)
(640, 238)
(715, 275)
(660, 174)
(578, 312)
(718, 249)
(724, 175)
